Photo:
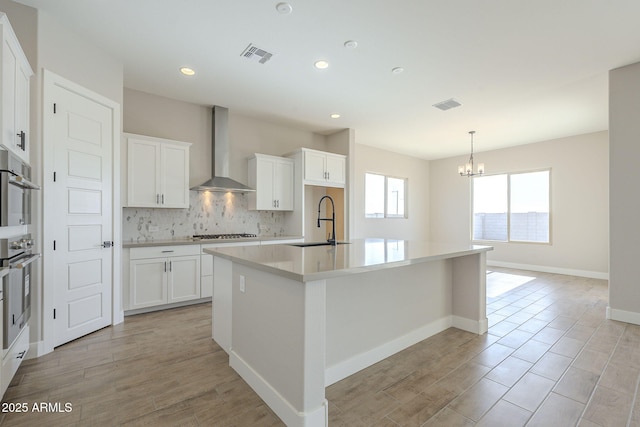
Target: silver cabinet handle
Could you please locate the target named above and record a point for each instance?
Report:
(170, 269)
(163, 199)
(157, 199)
(166, 252)
(22, 144)
(165, 266)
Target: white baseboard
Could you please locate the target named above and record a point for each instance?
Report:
(350, 366)
(281, 406)
(623, 316)
(36, 349)
(477, 327)
(547, 269)
(164, 307)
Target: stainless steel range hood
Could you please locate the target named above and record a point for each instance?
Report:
(220, 157)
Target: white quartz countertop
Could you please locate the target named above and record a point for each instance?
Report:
(321, 262)
(191, 241)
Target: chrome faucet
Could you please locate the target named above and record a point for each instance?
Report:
(332, 237)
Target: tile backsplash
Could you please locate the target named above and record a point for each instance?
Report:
(208, 213)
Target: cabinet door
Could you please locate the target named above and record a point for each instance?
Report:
(184, 278)
(144, 173)
(14, 357)
(314, 166)
(283, 185)
(335, 167)
(8, 96)
(265, 172)
(174, 173)
(147, 282)
(22, 112)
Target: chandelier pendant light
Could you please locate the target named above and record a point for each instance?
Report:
(467, 169)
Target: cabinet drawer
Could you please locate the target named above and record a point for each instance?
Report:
(163, 251)
(14, 357)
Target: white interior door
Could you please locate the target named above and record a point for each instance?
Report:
(82, 263)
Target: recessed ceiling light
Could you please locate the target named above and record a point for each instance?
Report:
(284, 8)
(335, 116)
(321, 64)
(351, 44)
(397, 70)
(187, 71)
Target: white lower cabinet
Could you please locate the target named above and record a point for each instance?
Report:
(13, 357)
(163, 275)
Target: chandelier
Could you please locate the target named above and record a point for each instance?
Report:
(467, 169)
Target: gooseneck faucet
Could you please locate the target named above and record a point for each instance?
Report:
(332, 238)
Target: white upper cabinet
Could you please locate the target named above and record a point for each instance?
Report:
(16, 73)
(272, 178)
(158, 172)
(324, 169)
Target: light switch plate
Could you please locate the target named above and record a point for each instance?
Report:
(242, 284)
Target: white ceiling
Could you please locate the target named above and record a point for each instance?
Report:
(525, 71)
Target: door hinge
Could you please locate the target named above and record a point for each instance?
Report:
(54, 108)
(54, 314)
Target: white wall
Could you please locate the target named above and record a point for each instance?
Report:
(579, 203)
(416, 171)
(162, 117)
(74, 58)
(624, 151)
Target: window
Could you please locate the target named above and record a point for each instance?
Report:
(384, 196)
(512, 207)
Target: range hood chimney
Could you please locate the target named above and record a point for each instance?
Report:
(220, 157)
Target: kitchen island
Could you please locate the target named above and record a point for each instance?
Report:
(297, 319)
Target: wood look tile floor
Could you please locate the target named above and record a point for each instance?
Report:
(550, 359)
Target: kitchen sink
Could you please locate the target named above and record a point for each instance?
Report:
(306, 244)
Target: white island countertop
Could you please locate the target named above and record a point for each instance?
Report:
(310, 263)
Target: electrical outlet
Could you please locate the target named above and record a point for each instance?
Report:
(242, 284)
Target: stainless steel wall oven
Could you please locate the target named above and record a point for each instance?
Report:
(15, 190)
(17, 255)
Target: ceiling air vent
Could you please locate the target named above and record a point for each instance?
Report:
(447, 105)
(256, 54)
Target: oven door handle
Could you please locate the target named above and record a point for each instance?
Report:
(21, 181)
(23, 264)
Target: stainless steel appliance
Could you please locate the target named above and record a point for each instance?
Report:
(15, 190)
(220, 157)
(223, 236)
(17, 255)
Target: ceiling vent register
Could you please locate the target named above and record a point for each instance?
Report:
(447, 105)
(255, 53)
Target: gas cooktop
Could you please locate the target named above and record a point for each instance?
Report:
(224, 236)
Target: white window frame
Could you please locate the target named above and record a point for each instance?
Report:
(386, 214)
(509, 240)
